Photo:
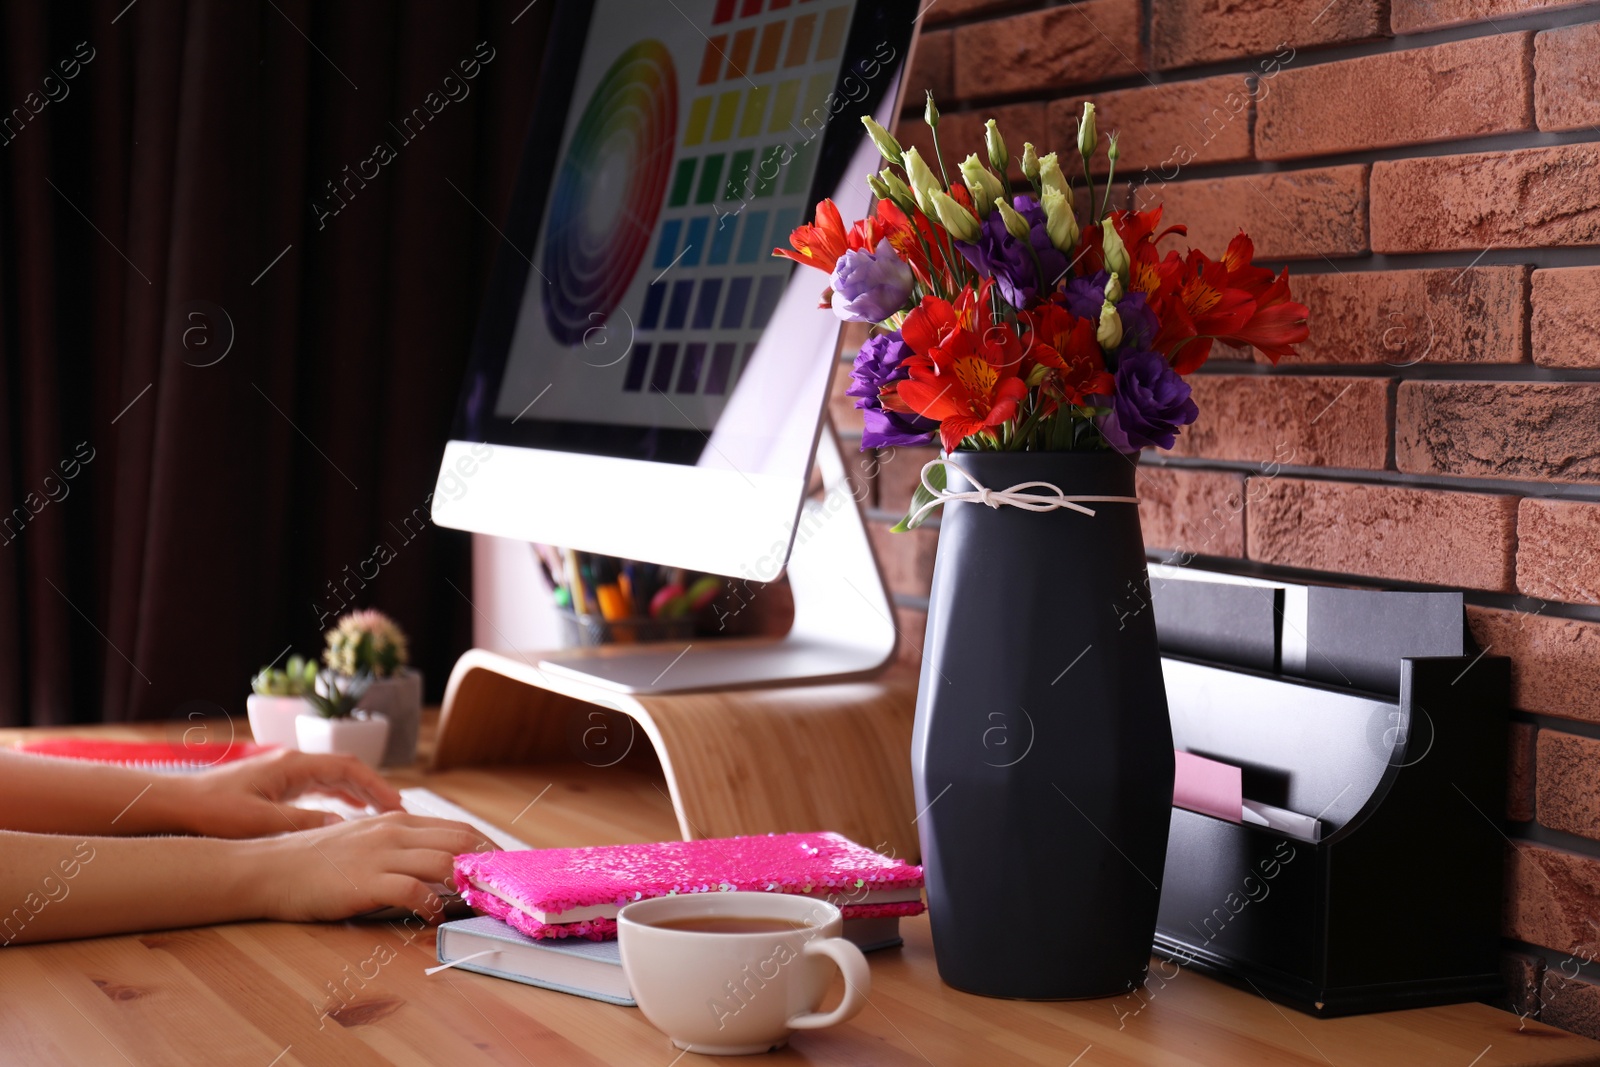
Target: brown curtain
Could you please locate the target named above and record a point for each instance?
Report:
(228, 363)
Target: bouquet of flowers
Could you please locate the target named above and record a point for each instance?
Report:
(1005, 323)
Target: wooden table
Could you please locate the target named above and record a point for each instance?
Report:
(264, 994)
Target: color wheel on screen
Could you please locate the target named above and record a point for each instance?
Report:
(609, 191)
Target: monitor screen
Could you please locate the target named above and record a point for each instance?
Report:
(636, 310)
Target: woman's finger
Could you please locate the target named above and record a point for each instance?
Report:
(426, 822)
(410, 893)
(453, 840)
(428, 864)
(345, 773)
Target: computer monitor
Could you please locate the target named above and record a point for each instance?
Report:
(647, 381)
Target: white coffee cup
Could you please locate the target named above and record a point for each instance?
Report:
(730, 994)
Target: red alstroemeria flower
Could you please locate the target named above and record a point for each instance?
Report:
(1204, 308)
(1138, 228)
(1242, 273)
(1062, 341)
(959, 376)
(917, 241)
(819, 244)
(963, 390)
(1232, 301)
(931, 323)
(1278, 323)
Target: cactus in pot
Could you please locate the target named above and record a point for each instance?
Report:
(338, 723)
(369, 644)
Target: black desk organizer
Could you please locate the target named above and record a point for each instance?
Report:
(1399, 904)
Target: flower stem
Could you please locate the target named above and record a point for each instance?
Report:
(939, 155)
(1089, 178)
(1110, 180)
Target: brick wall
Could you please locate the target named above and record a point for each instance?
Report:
(1430, 170)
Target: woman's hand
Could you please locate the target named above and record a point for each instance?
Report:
(250, 797)
(357, 867)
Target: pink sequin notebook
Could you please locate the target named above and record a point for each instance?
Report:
(576, 892)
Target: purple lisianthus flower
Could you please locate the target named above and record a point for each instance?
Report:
(881, 362)
(1086, 296)
(1139, 323)
(870, 286)
(1022, 275)
(1150, 403)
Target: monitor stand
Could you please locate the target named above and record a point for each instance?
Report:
(843, 617)
(800, 733)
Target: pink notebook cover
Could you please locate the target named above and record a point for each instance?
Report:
(554, 880)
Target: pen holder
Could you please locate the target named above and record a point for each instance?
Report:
(588, 630)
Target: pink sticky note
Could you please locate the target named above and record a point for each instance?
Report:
(1209, 787)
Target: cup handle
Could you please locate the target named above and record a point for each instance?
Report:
(857, 983)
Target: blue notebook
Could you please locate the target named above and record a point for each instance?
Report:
(573, 965)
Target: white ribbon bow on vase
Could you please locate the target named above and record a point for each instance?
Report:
(1013, 496)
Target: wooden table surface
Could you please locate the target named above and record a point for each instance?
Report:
(275, 995)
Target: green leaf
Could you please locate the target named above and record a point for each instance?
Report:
(921, 497)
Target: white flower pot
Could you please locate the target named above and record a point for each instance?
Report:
(399, 697)
(363, 735)
(272, 719)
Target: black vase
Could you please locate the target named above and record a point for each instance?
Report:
(1042, 756)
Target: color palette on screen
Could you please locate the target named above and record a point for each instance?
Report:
(746, 155)
(609, 191)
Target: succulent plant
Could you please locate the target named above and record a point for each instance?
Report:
(339, 694)
(366, 642)
(297, 679)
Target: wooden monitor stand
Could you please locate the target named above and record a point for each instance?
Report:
(823, 746)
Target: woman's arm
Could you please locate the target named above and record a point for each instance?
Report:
(42, 795)
(58, 887)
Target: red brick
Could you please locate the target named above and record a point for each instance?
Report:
(1308, 422)
(1566, 317)
(1444, 93)
(1569, 793)
(1384, 531)
(906, 558)
(1404, 317)
(1163, 128)
(841, 408)
(1555, 663)
(1570, 1003)
(1558, 550)
(931, 68)
(1534, 430)
(936, 11)
(1411, 16)
(1550, 897)
(1297, 214)
(911, 625)
(852, 335)
(1288, 215)
(1523, 974)
(1185, 32)
(1074, 45)
(1529, 198)
(898, 472)
(1567, 90)
(1520, 780)
(1197, 513)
